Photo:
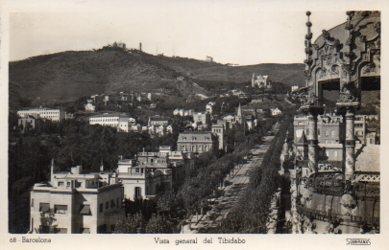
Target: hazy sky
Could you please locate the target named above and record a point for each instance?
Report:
(225, 30)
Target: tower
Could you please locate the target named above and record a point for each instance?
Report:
(52, 170)
(239, 117)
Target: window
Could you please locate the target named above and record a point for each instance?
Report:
(112, 203)
(106, 205)
(60, 209)
(68, 184)
(101, 208)
(85, 210)
(59, 230)
(60, 184)
(32, 202)
(138, 193)
(44, 207)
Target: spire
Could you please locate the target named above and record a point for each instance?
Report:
(302, 140)
(308, 48)
(239, 113)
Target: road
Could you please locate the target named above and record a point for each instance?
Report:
(235, 183)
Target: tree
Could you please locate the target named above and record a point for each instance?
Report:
(131, 224)
(159, 224)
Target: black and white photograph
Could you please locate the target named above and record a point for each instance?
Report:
(192, 118)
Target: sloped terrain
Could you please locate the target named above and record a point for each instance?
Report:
(67, 76)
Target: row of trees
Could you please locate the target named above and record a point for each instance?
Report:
(70, 143)
(250, 214)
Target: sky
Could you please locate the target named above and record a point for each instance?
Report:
(242, 34)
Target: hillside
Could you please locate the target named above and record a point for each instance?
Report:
(66, 76)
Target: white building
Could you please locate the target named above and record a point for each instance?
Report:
(209, 107)
(275, 112)
(260, 81)
(202, 119)
(89, 107)
(145, 177)
(55, 115)
(121, 122)
(76, 202)
(183, 112)
(294, 88)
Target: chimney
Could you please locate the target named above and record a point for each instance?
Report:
(140, 46)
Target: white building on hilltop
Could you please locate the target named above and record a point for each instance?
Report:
(55, 115)
(76, 202)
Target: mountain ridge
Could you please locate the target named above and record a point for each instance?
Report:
(66, 76)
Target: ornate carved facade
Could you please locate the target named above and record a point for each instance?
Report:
(342, 199)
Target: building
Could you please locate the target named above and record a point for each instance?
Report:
(27, 123)
(89, 107)
(145, 176)
(260, 81)
(196, 142)
(121, 122)
(201, 120)
(219, 130)
(294, 88)
(54, 115)
(158, 121)
(342, 196)
(209, 107)
(183, 112)
(76, 202)
(275, 112)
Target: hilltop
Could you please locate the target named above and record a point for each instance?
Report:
(67, 76)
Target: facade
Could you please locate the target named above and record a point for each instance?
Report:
(145, 176)
(121, 122)
(276, 112)
(219, 130)
(54, 115)
(158, 121)
(260, 81)
(27, 123)
(201, 119)
(183, 112)
(196, 142)
(209, 107)
(343, 196)
(76, 202)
